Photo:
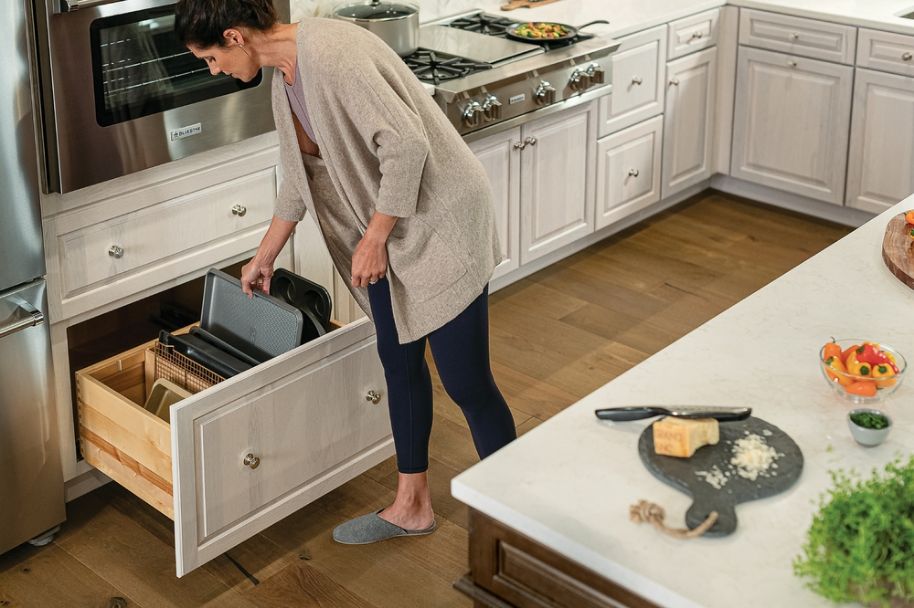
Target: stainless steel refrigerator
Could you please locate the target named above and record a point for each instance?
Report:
(31, 479)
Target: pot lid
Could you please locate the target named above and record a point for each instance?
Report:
(376, 11)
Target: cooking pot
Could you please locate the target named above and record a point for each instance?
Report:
(395, 24)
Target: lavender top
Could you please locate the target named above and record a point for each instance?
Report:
(297, 102)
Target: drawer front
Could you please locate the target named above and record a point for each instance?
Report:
(637, 81)
(887, 52)
(693, 34)
(628, 171)
(798, 36)
(306, 422)
(105, 251)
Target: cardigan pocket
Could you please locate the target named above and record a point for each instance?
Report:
(423, 262)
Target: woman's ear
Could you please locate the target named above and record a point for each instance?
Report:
(233, 36)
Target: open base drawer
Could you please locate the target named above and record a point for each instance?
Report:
(244, 453)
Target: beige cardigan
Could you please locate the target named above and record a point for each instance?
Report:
(387, 147)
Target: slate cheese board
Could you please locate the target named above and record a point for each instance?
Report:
(688, 474)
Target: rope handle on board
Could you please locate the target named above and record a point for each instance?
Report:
(652, 513)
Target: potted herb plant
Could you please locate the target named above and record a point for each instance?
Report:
(860, 546)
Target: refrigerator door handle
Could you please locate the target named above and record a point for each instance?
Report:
(32, 318)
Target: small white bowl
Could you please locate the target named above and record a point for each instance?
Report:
(864, 436)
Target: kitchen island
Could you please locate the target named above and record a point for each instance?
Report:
(564, 489)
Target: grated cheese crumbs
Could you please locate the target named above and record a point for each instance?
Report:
(752, 457)
(715, 477)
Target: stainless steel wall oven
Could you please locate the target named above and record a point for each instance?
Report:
(120, 94)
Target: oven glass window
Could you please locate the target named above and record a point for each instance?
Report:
(140, 69)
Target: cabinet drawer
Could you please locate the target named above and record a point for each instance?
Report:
(628, 171)
(243, 453)
(167, 237)
(637, 81)
(798, 36)
(692, 34)
(887, 52)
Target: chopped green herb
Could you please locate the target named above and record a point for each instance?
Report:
(869, 420)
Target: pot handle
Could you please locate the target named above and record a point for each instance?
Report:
(603, 21)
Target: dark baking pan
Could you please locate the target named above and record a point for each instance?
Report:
(304, 294)
(222, 344)
(211, 357)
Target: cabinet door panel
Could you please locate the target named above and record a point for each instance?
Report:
(689, 124)
(628, 171)
(791, 124)
(556, 199)
(502, 164)
(882, 141)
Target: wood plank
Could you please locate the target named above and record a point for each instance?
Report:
(309, 587)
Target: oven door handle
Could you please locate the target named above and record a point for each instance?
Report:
(31, 319)
(67, 6)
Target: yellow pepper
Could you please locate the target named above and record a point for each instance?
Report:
(885, 371)
(856, 367)
(833, 365)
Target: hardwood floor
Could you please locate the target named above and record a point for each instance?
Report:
(555, 337)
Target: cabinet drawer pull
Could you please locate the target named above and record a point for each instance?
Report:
(674, 82)
(907, 56)
(530, 140)
(239, 210)
(251, 461)
(519, 145)
(116, 251)
(697, 35)
(373, 396)
(637, 80)
(634, 172)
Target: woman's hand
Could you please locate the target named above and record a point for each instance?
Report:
(369, 261)
(256, 275)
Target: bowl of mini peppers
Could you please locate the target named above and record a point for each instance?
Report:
(862, 371)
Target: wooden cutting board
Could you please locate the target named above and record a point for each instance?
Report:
(513, 4)
(898, 250)
(681, 473)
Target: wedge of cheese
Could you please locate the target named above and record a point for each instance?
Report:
(681, 437)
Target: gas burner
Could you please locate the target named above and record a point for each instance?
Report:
(436, 68)
(484, 24)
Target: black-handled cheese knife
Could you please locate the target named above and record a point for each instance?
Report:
(640, 412)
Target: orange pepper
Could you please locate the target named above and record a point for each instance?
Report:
(864, 388)
(831, 350)
(884, 370)
(832, 365)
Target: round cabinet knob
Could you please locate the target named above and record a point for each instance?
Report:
(251, 461)
(697, 35)
(907, 56)
(544, 93)
(116, 251)
(519, 145)
(795, 36)
(472, 114)
(674, 82)
(792, 63)
(239, 210)
(531, 141)
(634, 172)
(373, 396)
(637, 80)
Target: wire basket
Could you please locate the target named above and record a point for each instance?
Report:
(186, 373)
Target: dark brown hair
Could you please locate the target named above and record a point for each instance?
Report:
(201, 22)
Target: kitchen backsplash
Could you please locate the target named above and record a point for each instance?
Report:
(429, 10)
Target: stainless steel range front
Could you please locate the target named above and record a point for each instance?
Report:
(120, 94)
(485, 82)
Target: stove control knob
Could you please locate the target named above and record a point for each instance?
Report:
(491, 107)
(473, 113)
(579, 80)
(596, 73)
(544, 93)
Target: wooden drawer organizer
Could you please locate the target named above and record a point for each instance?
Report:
(311, 419)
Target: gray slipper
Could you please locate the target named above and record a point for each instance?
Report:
(371, 528)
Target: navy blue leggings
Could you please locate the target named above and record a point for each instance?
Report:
(461, 351)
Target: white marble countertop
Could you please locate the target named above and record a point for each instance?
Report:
(634, 15)
(568, 483)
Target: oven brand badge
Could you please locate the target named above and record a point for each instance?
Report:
(185, 132)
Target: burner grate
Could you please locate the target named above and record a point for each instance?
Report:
(483, 24)
(436, 68)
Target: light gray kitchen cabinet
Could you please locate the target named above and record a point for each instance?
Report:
(556, 189)
(886, 51)
(638, 81)
(881, 165)
(693, 33)
(791, 123)
(688, 136)
(798, 36)
(628, 171)
(501, 158)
